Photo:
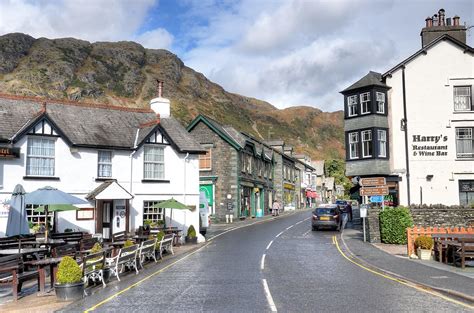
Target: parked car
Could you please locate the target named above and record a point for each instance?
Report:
(204, 214)
(328, 215)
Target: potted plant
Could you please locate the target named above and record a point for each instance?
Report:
(69, 285)
(424, 244)
(191, 237)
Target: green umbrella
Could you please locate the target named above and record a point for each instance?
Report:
(56, 208)
(171, 204)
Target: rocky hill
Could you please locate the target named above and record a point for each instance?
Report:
(125, 73)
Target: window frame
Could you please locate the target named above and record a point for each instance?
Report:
(352, 104)
(356, 145)
(147, 204)
(145, 161)
(468, 97)
(379, 141)
(99, 163)
(365, 102)
(203, 157)
(29, 156)
(471, 139)
(380, 104)
(369, 142)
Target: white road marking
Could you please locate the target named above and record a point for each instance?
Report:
(262, 264)
(279, 234)
(289, 227)
(269, 296)
(268, 247)
(299, 222)
(306, 232)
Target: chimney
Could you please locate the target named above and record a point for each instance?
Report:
(438, 26)
(160, 105)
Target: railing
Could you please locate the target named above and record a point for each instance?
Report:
(414, 232)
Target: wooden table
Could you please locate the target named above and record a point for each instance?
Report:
(23, 251)
(41, 267)
(441, 242)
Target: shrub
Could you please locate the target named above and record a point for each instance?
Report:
(191, 232)
(128, 243)
(424, 242)
(96, 248)
(393, 224)
(69, 271)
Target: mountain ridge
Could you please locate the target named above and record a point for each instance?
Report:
(125, 73)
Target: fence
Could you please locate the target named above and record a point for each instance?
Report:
(414, 232)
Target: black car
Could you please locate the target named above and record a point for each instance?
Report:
(329, 215)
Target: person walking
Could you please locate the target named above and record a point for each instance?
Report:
(275, 208)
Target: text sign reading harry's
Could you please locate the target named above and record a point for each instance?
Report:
(372, 181)
(9, 153)
(374, 191)
(428, 146)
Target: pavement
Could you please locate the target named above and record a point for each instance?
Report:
(393, 260)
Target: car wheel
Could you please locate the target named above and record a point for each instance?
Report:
(314, 228)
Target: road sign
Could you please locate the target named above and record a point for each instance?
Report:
(372, 181)
(376, 199)
(374, 191)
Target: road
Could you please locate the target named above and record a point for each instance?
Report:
(280, 265)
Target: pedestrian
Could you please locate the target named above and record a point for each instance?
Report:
(275, 208)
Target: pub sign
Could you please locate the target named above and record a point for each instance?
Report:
(9, 153)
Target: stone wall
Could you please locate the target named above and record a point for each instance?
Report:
(441, 215)
(372, 224)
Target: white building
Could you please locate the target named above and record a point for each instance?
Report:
(123, 161)
(414, 124)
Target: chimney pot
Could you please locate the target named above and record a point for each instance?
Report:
(441, 17)
(456, 20)
(429, 22)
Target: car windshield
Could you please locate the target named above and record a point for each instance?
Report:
(341, 202)
(323, 211)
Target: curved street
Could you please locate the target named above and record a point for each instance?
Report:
(279, 265)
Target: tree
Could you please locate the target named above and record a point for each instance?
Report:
(336, 168)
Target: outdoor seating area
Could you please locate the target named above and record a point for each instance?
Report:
(30, 257)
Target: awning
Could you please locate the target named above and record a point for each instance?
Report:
(109, 190)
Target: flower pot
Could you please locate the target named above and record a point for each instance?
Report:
(69, 292)
(190, 240)
(424, 254)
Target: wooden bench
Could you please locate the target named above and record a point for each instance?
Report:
(147, 250)
(12, 272)
(65, 250)
(462, 250)
(93, 267)
(86, 245)
(166, 244)
(120, 236)
(126, 257)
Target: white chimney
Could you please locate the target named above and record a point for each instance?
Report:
(161, 105)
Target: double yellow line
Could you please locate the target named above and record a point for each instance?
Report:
(400, 281)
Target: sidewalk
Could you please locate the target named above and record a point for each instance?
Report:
(393, 259)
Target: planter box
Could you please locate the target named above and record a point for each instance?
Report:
(190, 240)
(424, 254)
(69, 292)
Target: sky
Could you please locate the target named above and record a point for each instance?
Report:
(286, 52)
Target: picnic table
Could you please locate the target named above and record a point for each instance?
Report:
(23, 251)
(444, 243)
(41, 266)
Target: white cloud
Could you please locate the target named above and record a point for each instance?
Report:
(156, 39)
(85, 19)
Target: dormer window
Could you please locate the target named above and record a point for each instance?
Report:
(40, 156)
(380, 98)
(365, 103)
(352, 105)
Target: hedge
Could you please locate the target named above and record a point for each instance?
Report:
(393, 225)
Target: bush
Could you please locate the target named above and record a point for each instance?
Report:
(191, 232)
(96, 248)
(393, 225)
(424, 242)
(69, 271)
(128, 243)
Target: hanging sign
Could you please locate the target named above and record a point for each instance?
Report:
(9, 153)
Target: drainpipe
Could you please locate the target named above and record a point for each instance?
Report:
(131, 159)
(184, 187)
(407, 162)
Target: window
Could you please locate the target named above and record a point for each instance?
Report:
(464, 143)
(205, 161)
(104, 164)
(352, 105)
(365, 103)
(462, 98)
(466, 192)
(151, 213)
(353, 145)
(37, 218)
(154, 162)
(40, 157)
(382, 139)
(380, 97)
(366, 143)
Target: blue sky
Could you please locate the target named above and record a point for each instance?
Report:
(287, 52)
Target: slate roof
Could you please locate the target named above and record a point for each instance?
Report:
(371, 79)
(90, 125)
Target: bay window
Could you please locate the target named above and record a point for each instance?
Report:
(352, 105)
(382, 140)
(353, 145)
(366, 143)
(365, 103)
(380, 98)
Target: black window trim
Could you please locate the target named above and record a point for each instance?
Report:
(375, 146)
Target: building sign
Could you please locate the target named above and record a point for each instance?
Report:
(4, 209)
(288, 186)
(9, 153)
(372, 181)
(207, 189)
(429, 146)
(374, 191)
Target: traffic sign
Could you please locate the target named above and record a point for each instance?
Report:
(372, 181)
(376, 199)
(374, 191)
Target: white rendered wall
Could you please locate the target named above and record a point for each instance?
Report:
(430, 112)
